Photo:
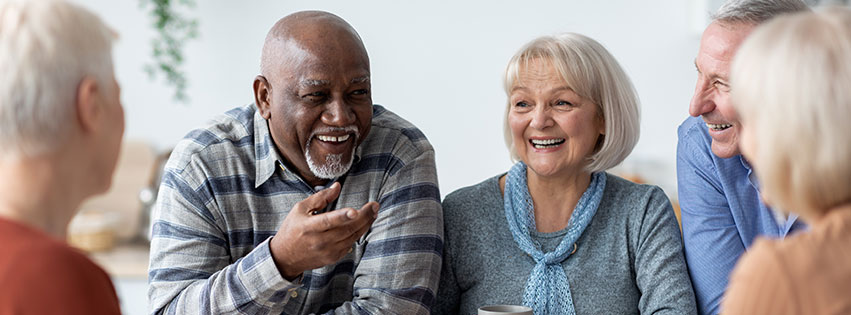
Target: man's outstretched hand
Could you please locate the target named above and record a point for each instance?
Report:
(306, 241)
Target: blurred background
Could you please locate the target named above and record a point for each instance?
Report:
(436, 63)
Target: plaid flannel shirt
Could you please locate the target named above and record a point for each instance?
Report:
(225, 193)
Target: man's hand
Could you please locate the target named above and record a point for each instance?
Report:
(306, 241)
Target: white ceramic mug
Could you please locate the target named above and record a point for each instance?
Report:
(505, 310)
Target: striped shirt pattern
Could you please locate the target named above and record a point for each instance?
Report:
(225, 192)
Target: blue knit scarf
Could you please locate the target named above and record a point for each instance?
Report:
(547, 291)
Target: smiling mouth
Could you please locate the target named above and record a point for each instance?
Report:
(718, 127)
(333, 139)
(548, 143)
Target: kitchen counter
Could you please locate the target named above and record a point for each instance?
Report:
(126, 261)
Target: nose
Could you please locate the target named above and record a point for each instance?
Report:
(338, 114)
(541, 118)
(701, 101)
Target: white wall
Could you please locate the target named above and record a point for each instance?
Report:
(436, 63)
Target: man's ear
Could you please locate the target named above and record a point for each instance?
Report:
(262, 95)
(87, 106)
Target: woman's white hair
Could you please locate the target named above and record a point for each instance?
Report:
(46, 48)
(592, 73)
(790, 84)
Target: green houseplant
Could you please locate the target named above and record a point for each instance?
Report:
(173, 29)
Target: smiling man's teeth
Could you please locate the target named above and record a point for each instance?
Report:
(540, 144)
(332, 138)
(718, 126)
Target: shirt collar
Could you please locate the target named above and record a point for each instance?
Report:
(265, 153)
(751, 175)
(783, 220)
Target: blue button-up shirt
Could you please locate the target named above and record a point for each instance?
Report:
(225, 193)
(722, 213)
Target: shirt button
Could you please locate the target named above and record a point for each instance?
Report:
(294, 294)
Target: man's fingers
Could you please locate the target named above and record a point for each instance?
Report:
(346, 219)
(348, 241)
(361, 231)
(331, 220)
(353, 230)
(371, 206)
(368, 212)
(322, 198)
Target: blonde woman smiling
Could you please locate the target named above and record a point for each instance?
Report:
(557, 233)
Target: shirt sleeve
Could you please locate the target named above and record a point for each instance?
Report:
(760, 285)
(661, 273)
(400, 267)
(711, 239)
(191, 269)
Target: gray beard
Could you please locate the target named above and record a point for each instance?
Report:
(333, 166)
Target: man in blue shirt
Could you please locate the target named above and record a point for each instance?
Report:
(721, 209)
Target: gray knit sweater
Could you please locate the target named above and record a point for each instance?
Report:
(629, 259)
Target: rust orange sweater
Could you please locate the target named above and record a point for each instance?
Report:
(808, 273)
(40, 275)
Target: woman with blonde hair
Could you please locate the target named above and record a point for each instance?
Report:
(557, 233)
(790, 85)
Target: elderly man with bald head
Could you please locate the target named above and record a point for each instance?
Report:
(310, 200)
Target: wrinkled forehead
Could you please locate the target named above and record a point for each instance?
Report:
(540, 75)
(531, 66)
(309, 82)
(721, 40)
(317, 66)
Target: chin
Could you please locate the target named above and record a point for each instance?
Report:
(333, 166)
(543, 170)
(725, 151)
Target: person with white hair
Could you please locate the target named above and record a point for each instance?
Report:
(558, 233)
(790, 84)
(719, 197)
(61, 126)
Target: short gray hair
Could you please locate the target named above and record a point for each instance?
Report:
(790, 82)
(756, 11)
(594, 74)
(46, 48)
